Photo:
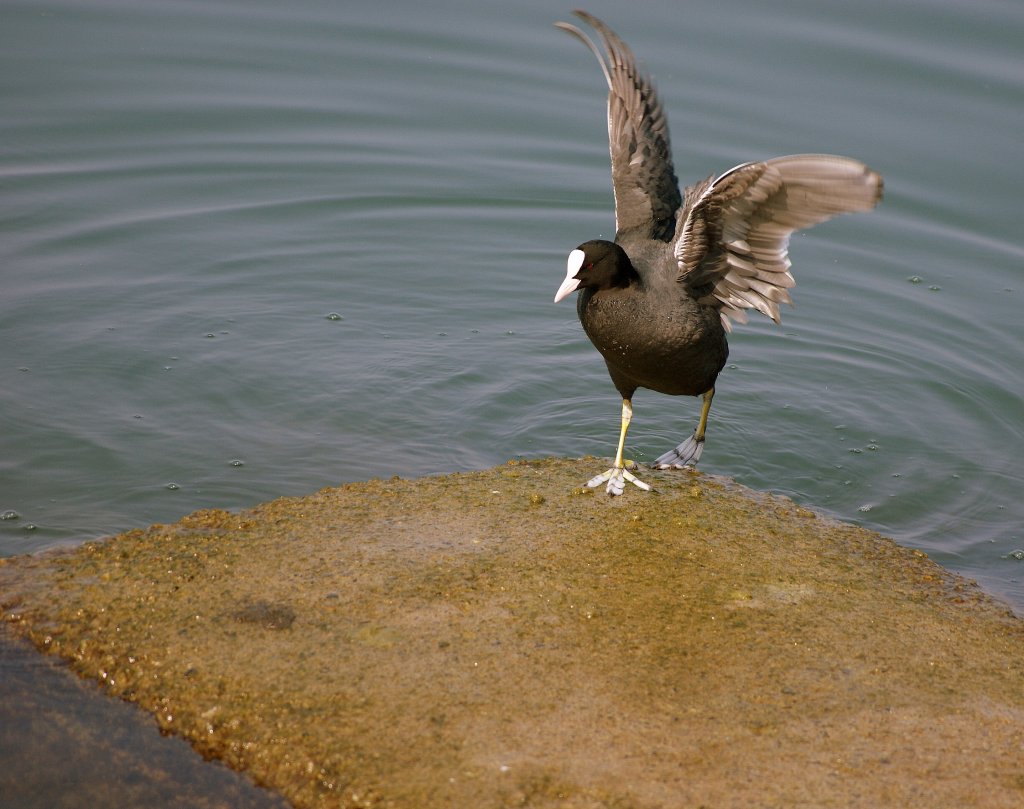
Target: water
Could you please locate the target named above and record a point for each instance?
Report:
(189, 191)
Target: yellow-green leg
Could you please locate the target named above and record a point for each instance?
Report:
(688, 453)
(702, 425)
(618, 474)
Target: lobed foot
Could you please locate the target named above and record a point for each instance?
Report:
(617, 477)
(686, 454)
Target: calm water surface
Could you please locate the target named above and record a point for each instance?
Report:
(250, 249)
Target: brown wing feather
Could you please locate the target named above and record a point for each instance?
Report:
(645, 185)
(732, 247)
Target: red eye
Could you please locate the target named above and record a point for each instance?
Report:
(589, 265)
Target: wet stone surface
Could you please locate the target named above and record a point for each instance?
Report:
(64, 744)
(506, 638)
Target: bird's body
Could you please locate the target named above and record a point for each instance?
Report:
(677, 348)
(658, 301)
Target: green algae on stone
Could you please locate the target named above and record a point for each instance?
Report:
(495, 639)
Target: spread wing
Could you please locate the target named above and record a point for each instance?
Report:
(646, 190)
(733, 241)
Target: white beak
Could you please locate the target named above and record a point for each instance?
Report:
(571, 284)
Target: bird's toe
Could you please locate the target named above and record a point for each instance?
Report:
(686, 454)
(616, 479)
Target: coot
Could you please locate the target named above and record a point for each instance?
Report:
(658, 301)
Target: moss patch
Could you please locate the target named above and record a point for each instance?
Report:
(506, 638)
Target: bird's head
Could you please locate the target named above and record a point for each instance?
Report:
(597, 264)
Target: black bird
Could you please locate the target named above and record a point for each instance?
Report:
(657, 302)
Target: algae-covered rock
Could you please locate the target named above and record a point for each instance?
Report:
(505, 638)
